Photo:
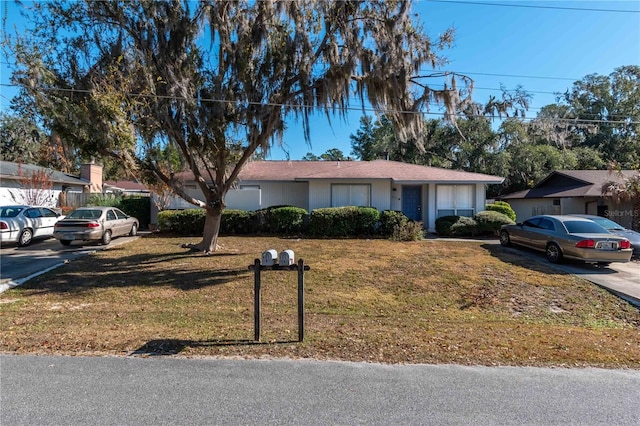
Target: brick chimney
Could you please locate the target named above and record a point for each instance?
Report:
(93, 173)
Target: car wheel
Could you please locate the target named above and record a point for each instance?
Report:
(65, 242)
(554, 254)
(106, 238)
(134, 230)
(505, 240)
(26, 236)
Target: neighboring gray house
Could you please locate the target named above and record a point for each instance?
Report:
(422, 193)
(572, 191)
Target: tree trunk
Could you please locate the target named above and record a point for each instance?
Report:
(212, 222)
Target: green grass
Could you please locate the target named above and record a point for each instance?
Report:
(365, 300)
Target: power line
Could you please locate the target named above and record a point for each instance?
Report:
(514, 75)
(536, 6)
(365, 109)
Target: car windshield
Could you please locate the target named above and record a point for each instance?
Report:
(10, 211)
(84, 214)
(608, 224)
(584, 227)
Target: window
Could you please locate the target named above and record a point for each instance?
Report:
(455, 200)
(111, 215)
(546, 224)
(350, 195)
(249, 186)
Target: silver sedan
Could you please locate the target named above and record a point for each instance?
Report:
(95, 224)
(568, 237)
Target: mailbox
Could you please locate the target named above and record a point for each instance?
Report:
(269, 257)
(286, 258)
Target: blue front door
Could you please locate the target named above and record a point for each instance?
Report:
(412, 202)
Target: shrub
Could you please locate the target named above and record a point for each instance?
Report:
(464, 227)
(182, 222)
(443, 224)
(408, 231)
(138, 207)
(390, 220)
(502, 207)
(343, 221)
(287, 220)
(489, 222)
(235, 222)
(104, 200)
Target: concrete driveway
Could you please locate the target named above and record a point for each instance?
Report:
(622, 279)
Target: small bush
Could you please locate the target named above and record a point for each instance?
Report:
(443, 224)
(408, 231)
(104, 200)
(390, 220)
(464, 227)
(489, 222)
(502, 207)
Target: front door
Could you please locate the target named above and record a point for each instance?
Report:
(412, 202)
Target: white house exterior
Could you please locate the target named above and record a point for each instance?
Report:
(422, 193)
(13, 186)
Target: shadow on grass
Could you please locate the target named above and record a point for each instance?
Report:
(137, 270)
(522, 256)
(164, 347)
(536, 261)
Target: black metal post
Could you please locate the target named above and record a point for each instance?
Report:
(256, 300)
(300, 300)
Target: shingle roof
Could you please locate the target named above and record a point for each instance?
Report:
(126, 185)
(576, 183)
(10, 170)
(378, 169)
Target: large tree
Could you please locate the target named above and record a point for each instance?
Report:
(129, 78)
(607, 109)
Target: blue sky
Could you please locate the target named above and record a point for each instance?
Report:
(544, 46)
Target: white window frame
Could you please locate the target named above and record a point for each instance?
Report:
(351, 195)
(455, 203)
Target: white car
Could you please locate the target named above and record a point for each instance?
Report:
(23, 224)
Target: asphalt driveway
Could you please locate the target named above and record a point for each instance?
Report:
(18, 264)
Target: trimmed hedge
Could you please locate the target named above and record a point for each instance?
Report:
(188, 222)
(343, 221)
(236, 222)
(287, 220)
(502, 207)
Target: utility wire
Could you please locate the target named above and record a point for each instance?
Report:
(366, 109)
(536, 6)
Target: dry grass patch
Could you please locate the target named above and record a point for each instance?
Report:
(371, 300)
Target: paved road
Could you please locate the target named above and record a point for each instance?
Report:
(45, 390)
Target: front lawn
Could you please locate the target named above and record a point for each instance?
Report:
(366, 300)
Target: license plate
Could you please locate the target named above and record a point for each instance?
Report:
(607, 245)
